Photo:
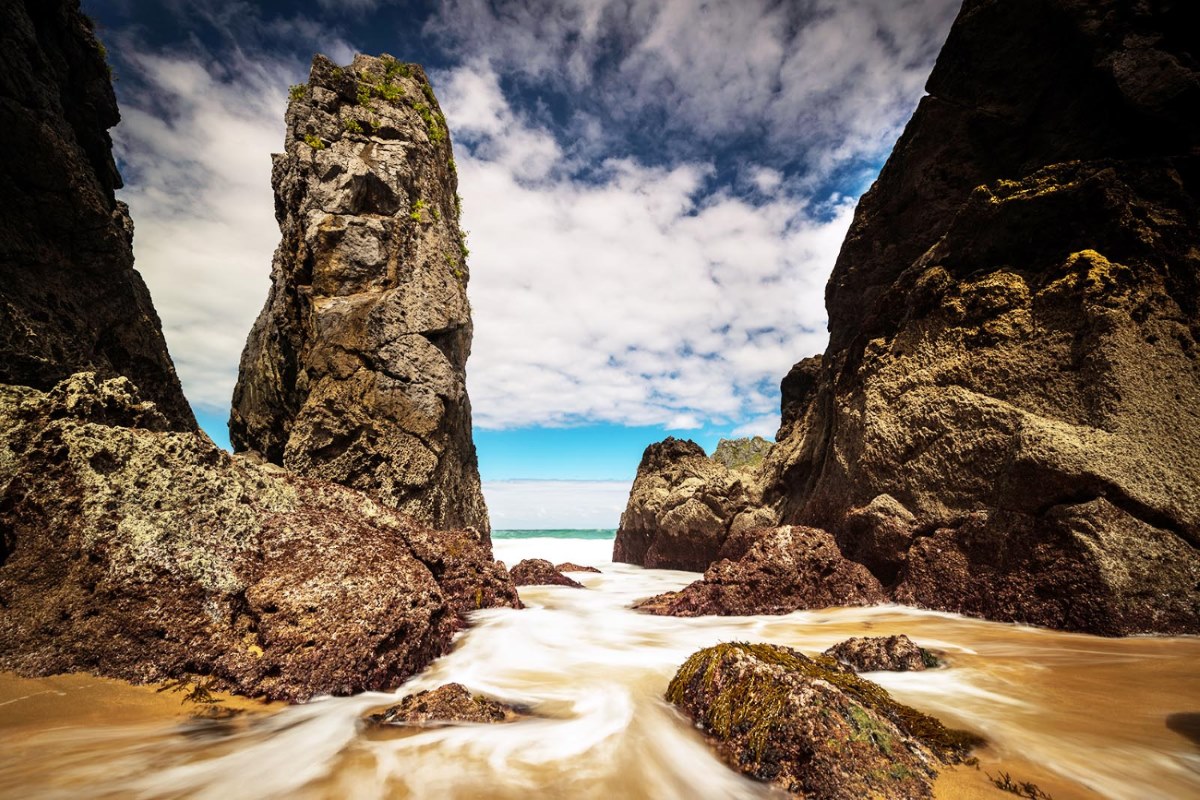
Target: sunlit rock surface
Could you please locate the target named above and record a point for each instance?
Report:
(354, 371)
(810, 728)
(133, 551)
(1006, 422)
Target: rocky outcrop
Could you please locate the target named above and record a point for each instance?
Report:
(810, 728)
(70, 299)
(879, 653)
(1006, 422)
(449, 704)
(354, 370)
(743, 454)
(784, 569)
(136, 552)
(682, 507)
(540, 572)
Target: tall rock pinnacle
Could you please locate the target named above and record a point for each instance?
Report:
(355, 370)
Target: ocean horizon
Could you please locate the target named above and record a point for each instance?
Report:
(555, 533)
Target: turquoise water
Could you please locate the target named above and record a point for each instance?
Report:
(556, 533)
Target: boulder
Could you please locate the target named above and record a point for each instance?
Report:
(880, 653)
(785, 569)
(683, 505)
(449, 704)
(133, 551)
(810, 728)
(70, 300)
(354, 371)
(540, 572)
(571, 567)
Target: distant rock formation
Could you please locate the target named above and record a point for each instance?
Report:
(683, 506)
(1006, 422)
(136, 552)
(70, 299)
(354, 370)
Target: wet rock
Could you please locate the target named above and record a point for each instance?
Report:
(879, 653)
(448, 704)
(540, 572)
(70, 299)
(1006, 421)
(683, 505)
(354, 371)
(571, 567)
(137, 552)
(785, 569)
(810, 728)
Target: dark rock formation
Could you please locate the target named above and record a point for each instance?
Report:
(449, 704)
(132, 551)
(70, 299)
(810, 728)
(354, 371)
(572, 567)
(682, 507)
(540, 572)
(1006, 422)
(783, 570)
(878, 653)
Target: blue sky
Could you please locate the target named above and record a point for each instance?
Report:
(655, 192)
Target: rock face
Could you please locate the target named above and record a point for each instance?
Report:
(810, 728)
(136, 552)
(1006, 422)
(682, 507)
(70, 299)
(783, 569)
(540, 572)
(446, 705)
(878, 653)
(354, 370)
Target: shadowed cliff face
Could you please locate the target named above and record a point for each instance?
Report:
(1006, 421)
(355, 370)
(70, 299)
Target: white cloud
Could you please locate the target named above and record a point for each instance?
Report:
(633, 297)
(537, 504)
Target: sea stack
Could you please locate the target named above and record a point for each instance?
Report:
(70, 299)
(354, 371)
(1006, 421)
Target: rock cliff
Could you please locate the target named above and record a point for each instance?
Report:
(136, 552)
(683, 506)
(354, 370)
(70, 299)
(1006, 422)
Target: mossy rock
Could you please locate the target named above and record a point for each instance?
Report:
(810, 726)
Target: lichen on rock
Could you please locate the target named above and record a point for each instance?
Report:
(354, 371)
(810, 727)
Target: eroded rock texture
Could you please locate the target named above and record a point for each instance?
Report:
(136, 552)
(70, 299)
(354, 370)
(809, 727)
(1006, 422)
(540, 572)
(684, 505)
(876, 653)
(449, 704)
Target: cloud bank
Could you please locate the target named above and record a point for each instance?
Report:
(622, 271)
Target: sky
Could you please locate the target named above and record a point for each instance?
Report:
(655, 191)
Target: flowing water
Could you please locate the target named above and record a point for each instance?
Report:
(1080, 715)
